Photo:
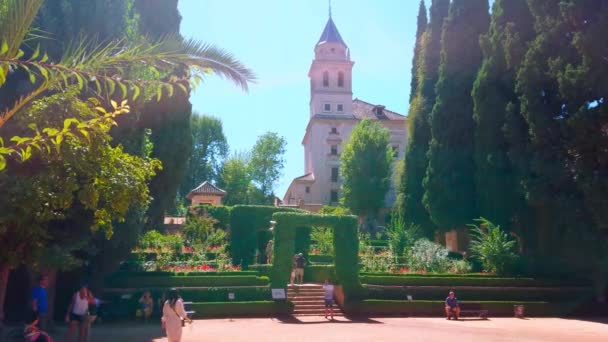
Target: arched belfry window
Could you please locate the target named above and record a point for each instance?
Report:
(325, 78)
(341, 79)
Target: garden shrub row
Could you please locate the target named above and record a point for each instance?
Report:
(434, 308)
(234, 309)
(186, 281)
(220, 213)
(460, 281)
(211, 294)
(321, 258)
(484, 294)
(169, 274)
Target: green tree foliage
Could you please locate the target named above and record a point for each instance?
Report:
(267, 161)
(415, 163)
(421, 27)
(209, 148)
(449, 184)
(235, 179)
(401, 236)
(496, 250)
(365, 167)
(511, 29)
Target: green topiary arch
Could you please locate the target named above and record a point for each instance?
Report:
(346, 246)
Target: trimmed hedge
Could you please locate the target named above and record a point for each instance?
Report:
(483, 294)
(186, 281)
(319, 273)
(459, 281)
(429, 275)
(435, 308)
(232, 309)
(322, 258)
(262, 270)
(246, 221)
(169, 274)
(346, 246)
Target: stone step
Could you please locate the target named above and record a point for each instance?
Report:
(321, 314)
(314, 312)
(307, 301)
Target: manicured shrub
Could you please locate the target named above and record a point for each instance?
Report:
(462, 281)
(220, 213)
(320, 258)
(435, 308)
(319, 273)
(345, 244)
(479, 293)
(233, 309)
(246, 221)
(186, 281)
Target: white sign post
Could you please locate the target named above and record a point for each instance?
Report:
(278, 294)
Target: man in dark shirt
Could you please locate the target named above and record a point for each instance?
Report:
(451, 306)
(300, 264)
(40, 303)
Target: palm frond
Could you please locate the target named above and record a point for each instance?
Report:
(16, 19)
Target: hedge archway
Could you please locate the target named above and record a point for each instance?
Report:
(346, 246)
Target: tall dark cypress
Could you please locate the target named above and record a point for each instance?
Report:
(420, 29)
(449, 183)
(498, 196)
(427, 73)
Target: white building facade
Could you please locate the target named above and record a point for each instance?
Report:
(333, 115)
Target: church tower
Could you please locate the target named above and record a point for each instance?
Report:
(331, 74)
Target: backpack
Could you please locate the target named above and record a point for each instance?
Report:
(300, 262)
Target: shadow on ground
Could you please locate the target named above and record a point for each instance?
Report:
(322, 320)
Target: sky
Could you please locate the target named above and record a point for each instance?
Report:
(276, 39)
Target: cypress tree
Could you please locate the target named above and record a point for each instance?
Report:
(415, 162)
(449, 182)
(420, 29)
(511, 29)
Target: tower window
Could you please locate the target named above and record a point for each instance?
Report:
(325, 79)
(340, 108)
(333, 196)
(327, 107)
(307, 189)
(334, 174)
(334, 130)
(334, 150)
(341, 79)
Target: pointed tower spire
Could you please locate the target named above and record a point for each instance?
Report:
(330, 33)
(329, 8)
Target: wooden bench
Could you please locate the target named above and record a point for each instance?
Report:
(473, 310)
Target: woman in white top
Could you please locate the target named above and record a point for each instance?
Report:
(77, 313)
(173, 313)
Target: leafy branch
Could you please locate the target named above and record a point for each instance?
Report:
(49, 139)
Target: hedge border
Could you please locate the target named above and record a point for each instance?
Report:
(240, 309)
(346, 246)
(434, 308)
(186, 281)
(460, 281)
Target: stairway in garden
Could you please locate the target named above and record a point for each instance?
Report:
(308, 300)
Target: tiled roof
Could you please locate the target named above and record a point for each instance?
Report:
(207, 189)
(174, 220)
(335, 116)
(306, 177)
(362, 110)
(330, 34)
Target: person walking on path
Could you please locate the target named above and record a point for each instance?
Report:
(77, 314)
(328, 288)
(174, 315)
(40, 301)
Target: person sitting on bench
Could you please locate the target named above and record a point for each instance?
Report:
(451, 306)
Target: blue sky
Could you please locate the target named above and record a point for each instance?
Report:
(276, 38)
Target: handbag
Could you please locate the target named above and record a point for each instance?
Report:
(180, 317)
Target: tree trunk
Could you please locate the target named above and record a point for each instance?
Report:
(5, 271)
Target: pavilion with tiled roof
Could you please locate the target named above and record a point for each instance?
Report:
(206, 193)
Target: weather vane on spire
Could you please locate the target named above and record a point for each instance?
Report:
(330, 8)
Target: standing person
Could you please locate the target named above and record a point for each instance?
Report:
(269, 247)
(300, 264)
(173, 316)
(40, 301)
(328, 288)
(146, 306)
(293, 268)
(452, 306)
(77, 314)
